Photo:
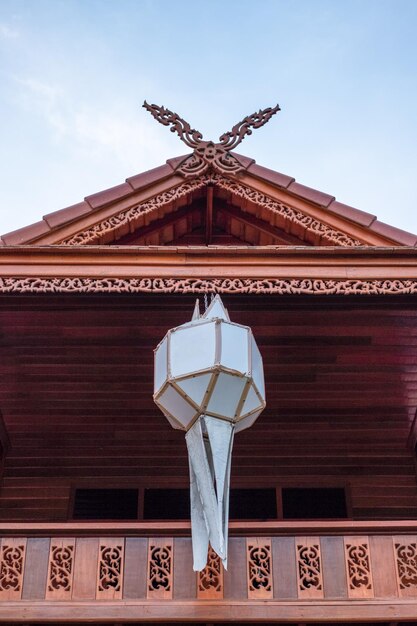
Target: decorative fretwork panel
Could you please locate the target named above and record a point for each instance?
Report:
(259, 568)
(160, 568)
(284, 214)
(12, 564)
(60, 569)
(135, 217)
(405, 551)
(358, 567)
(110, 569)
(278, 286)
(210, 580)
(309, 568)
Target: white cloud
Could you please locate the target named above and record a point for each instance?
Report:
(7, 32)
(46, 100)
(130, 137)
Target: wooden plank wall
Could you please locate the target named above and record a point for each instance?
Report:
(76, 397)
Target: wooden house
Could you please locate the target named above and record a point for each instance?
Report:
(93, 502)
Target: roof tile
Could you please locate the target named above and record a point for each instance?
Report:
(270, 176)
(70, 213)
(25, 234)
(354, 215)
(139, 181)
(312, 195)
(174, 163)
(101, 198)
(396, 234)
(243, 160)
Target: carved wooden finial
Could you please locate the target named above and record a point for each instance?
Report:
(207, 154)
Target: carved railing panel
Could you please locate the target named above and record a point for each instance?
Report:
(309, 568)
(259, 568)
(358, 567)
(405, 553)
(160, 568)
(210, 580)
(12, 565)
(376, 568)
(110, 569)
(60, 569)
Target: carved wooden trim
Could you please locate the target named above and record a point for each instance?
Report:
(160, 569)
(327, 235)
(309, 568)
(12, 565)
(207, 155)
(110, 569)
(128, 220)
(259, 568)
(60, 569)
(405, 554)
(278, 286)
(210, 580)
(358, 567)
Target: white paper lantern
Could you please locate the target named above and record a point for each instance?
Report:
(209, 381)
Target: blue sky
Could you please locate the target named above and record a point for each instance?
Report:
(75, 72)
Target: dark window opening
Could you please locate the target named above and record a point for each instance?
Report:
(314, 503)
(174, 504)
(110, 504)
(166, 504)
(255, 504)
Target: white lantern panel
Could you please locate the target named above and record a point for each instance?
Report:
(234, 347)
(216, 309)
(176, 406)
(226, 395)
(248, 421)
(192, 348)
(161, 365)
(195, 387)
(257, 368)
(251, 403)
(173, 421)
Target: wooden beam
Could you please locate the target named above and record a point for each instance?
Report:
(200, 261)
(157, 225)
(264, 227)
(209, 214)
(208, 611)
(181, 529)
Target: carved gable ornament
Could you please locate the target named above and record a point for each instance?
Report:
(207, 155)
(210, 165)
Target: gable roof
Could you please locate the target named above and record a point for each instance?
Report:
(296, 214)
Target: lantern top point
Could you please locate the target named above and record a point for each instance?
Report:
(216, 309)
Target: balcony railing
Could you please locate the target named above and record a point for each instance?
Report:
(290, 571)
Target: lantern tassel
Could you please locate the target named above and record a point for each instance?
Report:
(209, 443)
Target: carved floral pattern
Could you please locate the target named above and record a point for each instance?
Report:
(208, 155)
(210, 580)
(309, 567)
(259, 568)
(406, 564)
(61, 568)
(11, 567)
(358, 566)
(160, 568)
(110, 568)
(327, 234)
(284, 286)
(96, 233)
(102, 231)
